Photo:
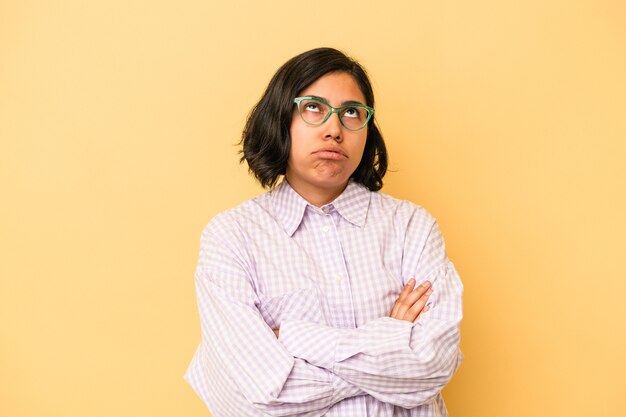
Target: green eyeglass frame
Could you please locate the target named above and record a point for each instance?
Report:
(370, 111)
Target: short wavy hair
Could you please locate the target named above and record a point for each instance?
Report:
(266, 140)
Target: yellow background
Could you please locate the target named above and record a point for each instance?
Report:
(118, 125)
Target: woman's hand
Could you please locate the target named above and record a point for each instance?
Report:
(412, 302)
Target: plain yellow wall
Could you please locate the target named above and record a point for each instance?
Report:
(118, 120)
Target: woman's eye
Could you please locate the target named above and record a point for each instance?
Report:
(312, 107)
(351, 112)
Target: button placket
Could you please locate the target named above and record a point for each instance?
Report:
(337, 284)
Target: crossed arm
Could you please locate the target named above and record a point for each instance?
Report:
(410, 304)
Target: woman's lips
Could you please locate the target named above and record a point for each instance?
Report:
(330, 154)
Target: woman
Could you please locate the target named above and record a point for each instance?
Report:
(307, 294)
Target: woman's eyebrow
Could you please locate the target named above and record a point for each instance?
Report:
(342, 104)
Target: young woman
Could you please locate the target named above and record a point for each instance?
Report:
(323, 296)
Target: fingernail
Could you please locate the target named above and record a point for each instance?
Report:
(411, 282)
(426, 284)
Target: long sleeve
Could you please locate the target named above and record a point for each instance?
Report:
(398, 362)
(251, 372)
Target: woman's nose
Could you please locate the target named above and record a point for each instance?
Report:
(333, 128)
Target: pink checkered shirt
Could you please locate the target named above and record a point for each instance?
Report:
(328, 278)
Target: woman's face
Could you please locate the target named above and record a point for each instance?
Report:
(322, 158)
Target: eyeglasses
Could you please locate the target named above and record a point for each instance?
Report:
(315, 111)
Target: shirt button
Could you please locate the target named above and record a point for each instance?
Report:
(325, 229)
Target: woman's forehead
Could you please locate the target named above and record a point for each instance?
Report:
(336, 88)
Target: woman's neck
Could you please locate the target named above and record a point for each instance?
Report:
(315, 195)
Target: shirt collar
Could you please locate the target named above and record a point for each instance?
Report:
(289, 206)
